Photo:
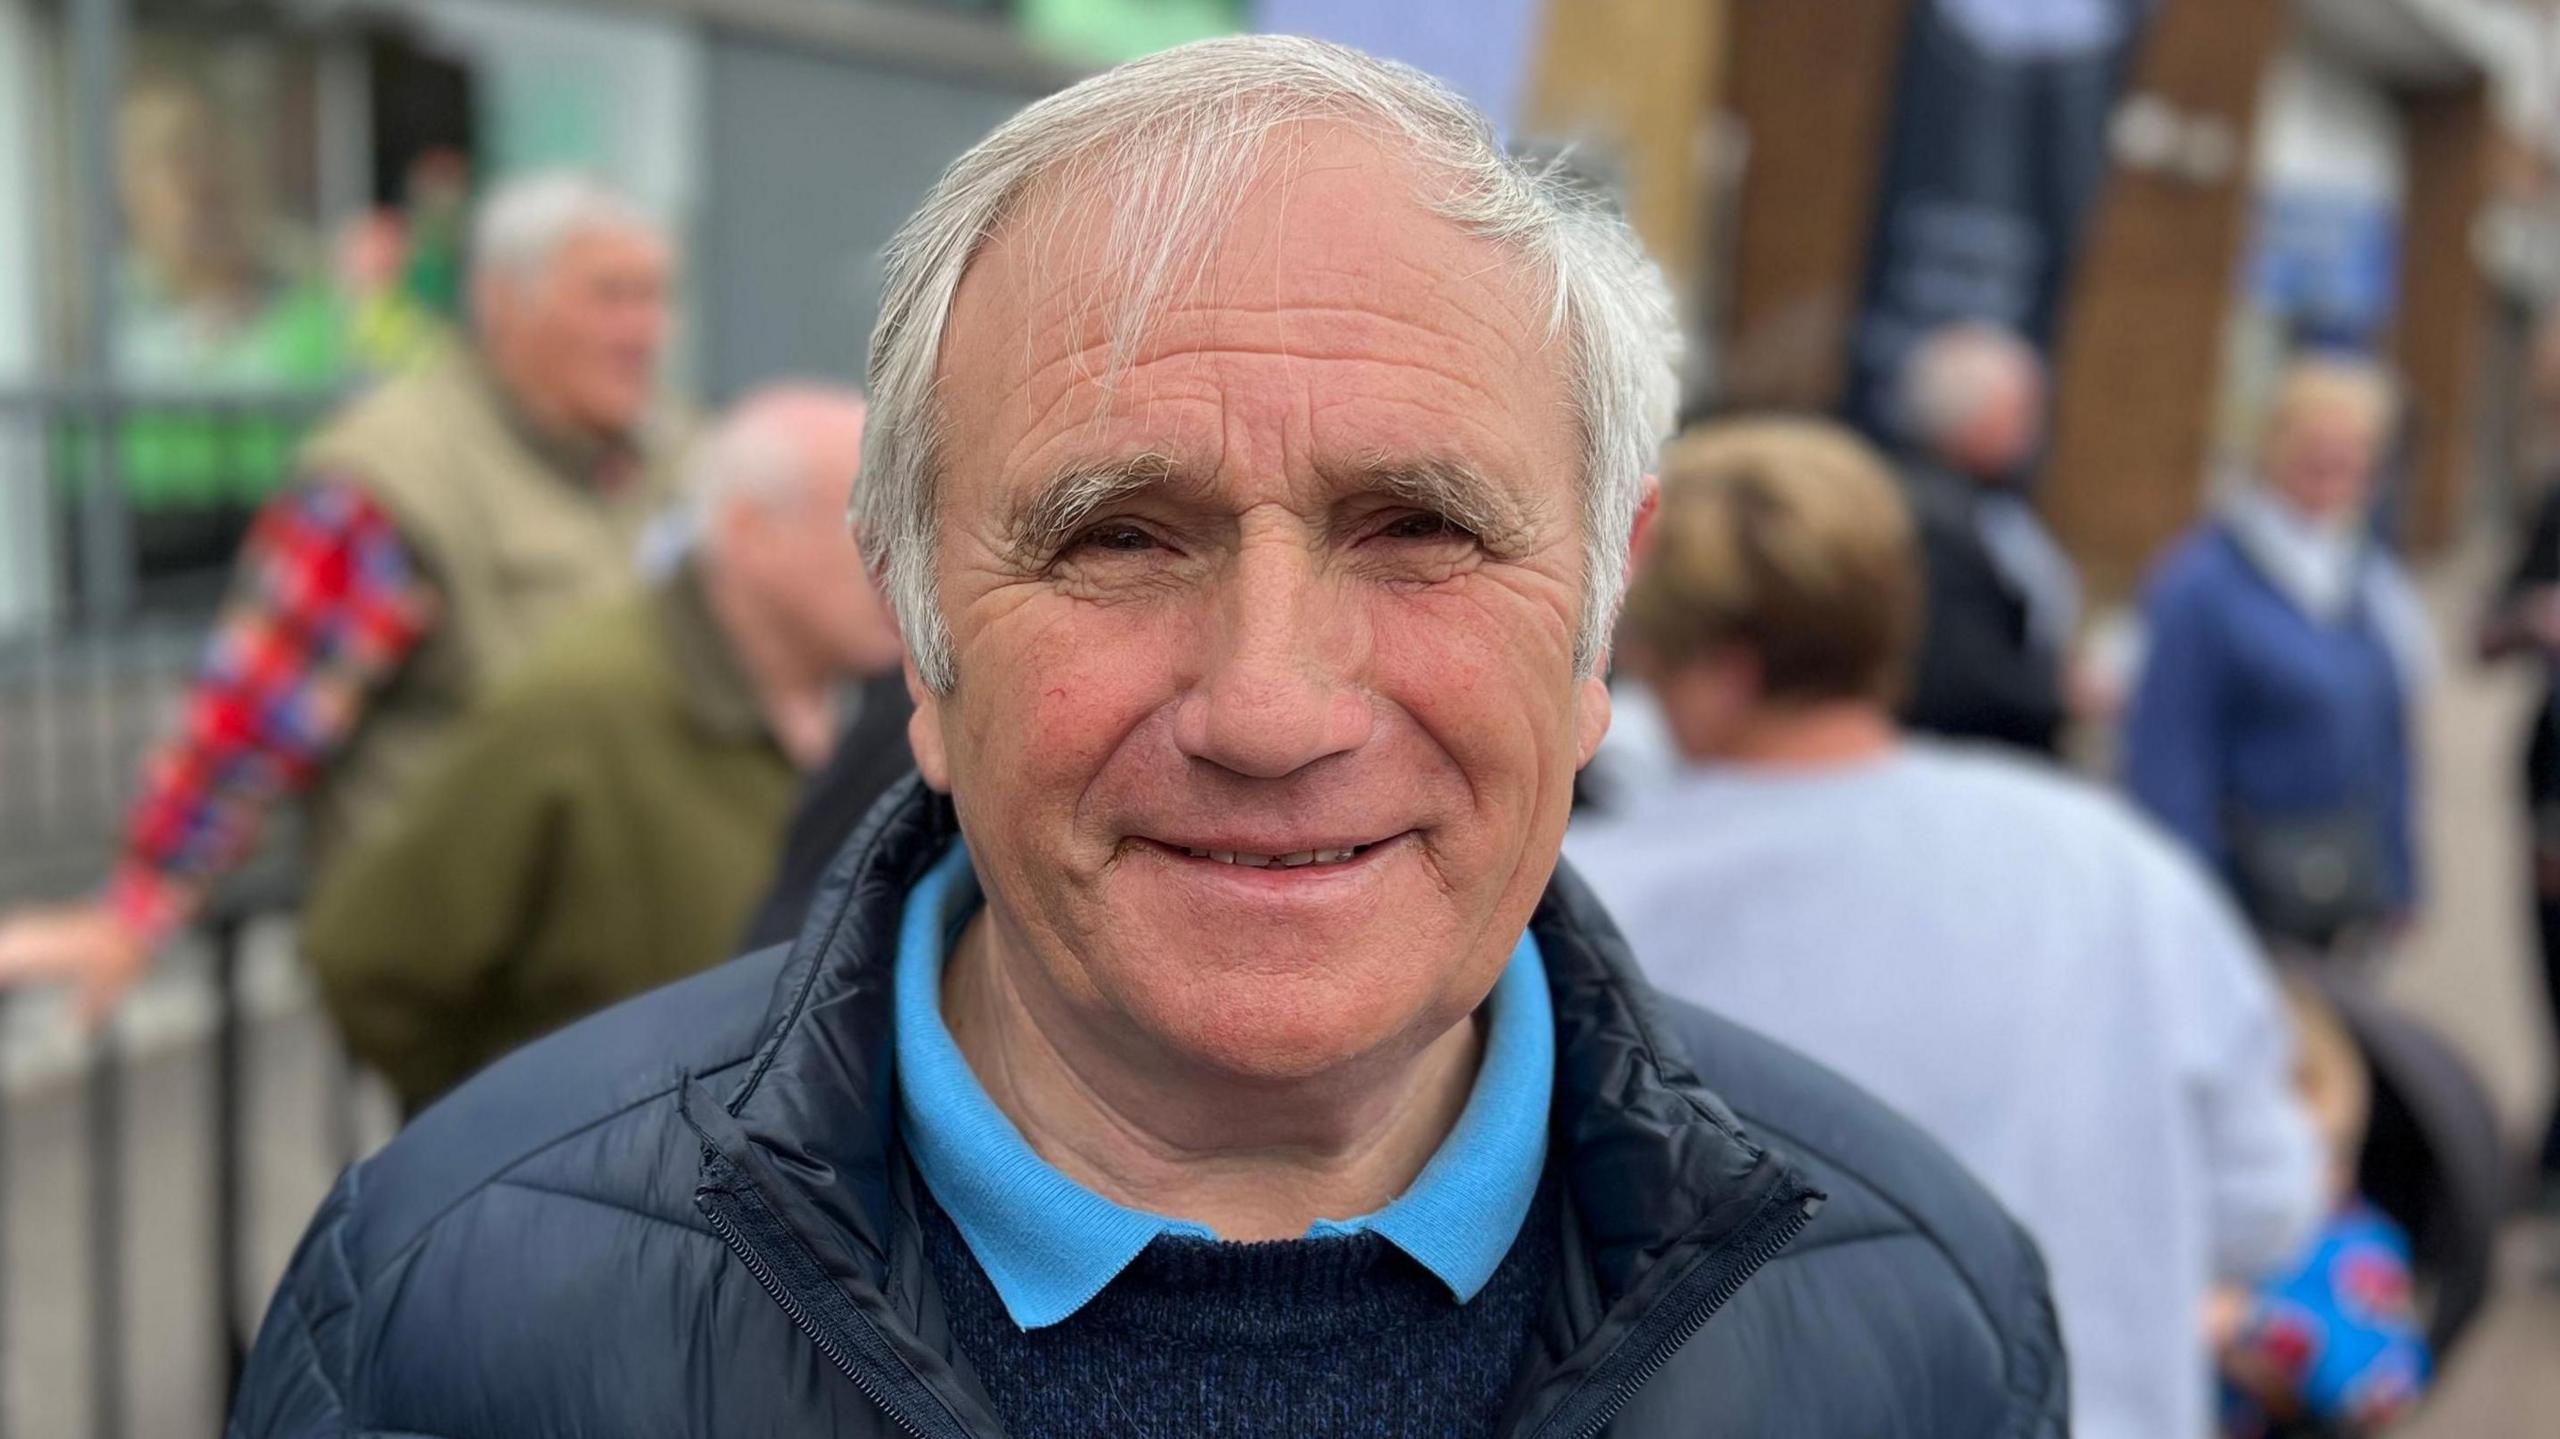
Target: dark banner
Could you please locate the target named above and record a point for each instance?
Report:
(1997, 150)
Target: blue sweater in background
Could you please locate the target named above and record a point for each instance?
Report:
(2247, 702)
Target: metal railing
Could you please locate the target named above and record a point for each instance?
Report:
(117, 513)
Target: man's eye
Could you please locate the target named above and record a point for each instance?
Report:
(1116, 539)
(1424, 526)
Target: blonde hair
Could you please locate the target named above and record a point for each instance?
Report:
(1789, 539)
(2328, 382)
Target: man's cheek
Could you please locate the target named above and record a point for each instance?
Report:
(1061, 711)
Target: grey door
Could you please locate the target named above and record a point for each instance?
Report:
(811, 162)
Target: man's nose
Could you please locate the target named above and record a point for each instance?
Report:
(1276, 691)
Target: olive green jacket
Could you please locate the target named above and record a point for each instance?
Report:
(515, 531)
(601, 823)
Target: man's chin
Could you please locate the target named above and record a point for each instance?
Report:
(1249, 1034)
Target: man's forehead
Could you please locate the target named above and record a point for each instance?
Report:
(1326, 221)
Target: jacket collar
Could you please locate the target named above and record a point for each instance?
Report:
(1657, 1169)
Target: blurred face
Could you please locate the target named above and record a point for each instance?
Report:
(178, 184)
(1266, 719)
(578, 344)
(2006, 425)
(2321, 460)
(799, 554)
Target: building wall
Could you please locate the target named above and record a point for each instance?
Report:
(24, 576)
(801, 297)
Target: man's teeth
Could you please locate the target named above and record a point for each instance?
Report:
(1276, 861)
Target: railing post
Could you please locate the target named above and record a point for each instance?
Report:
(6, 1090)
(106, 1236)
(97, 57)
(230, 1160)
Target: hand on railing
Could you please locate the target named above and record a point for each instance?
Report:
(87, 946)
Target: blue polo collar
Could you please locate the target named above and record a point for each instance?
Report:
(1049, 1244)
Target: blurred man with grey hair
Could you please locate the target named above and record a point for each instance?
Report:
(601, 822)
(2002, 597)
(1208, 1042)
(436, 528)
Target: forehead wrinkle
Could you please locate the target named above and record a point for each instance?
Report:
(1065, 282)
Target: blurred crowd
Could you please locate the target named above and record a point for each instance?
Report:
(579, 692)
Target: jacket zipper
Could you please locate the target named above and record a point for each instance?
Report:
(775, 1288)
(1683, 1315)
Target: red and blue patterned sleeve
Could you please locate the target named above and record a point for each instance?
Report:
(326, 604)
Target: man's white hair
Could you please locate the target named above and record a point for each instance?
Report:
(524, 222)
(1953, 372)
(1173, 134)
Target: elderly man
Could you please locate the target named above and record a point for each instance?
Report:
(439, 526)
(602, 823)
(2040, 980)
(2002, 598)
(1209, 1043)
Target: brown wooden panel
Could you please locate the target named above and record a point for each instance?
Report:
(1811, 83)
(1637, 79)
(2445, 300)
(2139, 359)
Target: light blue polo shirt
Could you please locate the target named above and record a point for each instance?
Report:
(1049, 1244)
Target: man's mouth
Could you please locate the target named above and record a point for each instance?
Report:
(1298, 859)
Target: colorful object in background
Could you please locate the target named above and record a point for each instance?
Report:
(2327, 264)
(390, 327)
(438, 216)
(327, 603)
(1483, 49)
(2335, 1342)
(1106, 32)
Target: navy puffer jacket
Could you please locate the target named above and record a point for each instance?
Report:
(691, 1216)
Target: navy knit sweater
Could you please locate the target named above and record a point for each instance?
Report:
(1334, 1338)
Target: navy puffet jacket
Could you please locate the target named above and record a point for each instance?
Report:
(691, 1216)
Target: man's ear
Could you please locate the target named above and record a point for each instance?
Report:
(1590, 717)
(1591, 704)
(924, 732)
(1640, 534)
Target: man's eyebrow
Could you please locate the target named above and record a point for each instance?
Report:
(1071, 497)
(1456, 491)
(1448, 487)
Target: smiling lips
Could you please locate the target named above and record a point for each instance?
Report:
(1296, 860)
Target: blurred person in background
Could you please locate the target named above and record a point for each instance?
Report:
(600, 823)
(2001, 598)
(438, 527)
(2283, 657)
(871, 755)
(210, 293)
(1207, 1043)
(2007, 955)
(2523, 622)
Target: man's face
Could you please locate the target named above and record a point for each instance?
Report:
(2322, 460)
(579, 342)
(1322, 601)
(2007, 424)
(807, 558)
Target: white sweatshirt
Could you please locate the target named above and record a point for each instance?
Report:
(2014, 960)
